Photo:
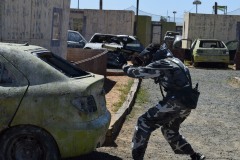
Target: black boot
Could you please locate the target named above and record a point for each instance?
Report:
(197, 156)
(138, 154)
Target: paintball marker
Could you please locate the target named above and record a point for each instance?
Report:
(126, 52)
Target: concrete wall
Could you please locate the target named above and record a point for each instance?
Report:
(39, 22)
(76, 20)
(222, 27)
(102, 21)
(144, 28)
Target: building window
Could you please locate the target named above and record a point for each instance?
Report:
(56, 26)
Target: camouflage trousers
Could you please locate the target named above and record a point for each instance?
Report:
(168, 116)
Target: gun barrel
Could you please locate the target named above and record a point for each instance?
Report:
(111, 46)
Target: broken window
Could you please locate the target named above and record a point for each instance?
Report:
(61, 65)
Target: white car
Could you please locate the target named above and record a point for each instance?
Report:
(120, 47)
(170, 35)
(127, 42)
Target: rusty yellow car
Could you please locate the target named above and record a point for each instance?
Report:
(49, 109)
(209, 50)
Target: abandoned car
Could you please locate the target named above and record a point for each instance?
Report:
(49, 108)
(124, 46)
(75, 40)
(209, 50)
(170, 35)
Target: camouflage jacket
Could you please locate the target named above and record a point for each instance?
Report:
(168, 72)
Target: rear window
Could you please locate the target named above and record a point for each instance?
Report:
(211, 44)
(74, 37)
(172, 33)
(61, 65)
(104, 39)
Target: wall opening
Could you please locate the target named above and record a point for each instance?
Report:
(56, 26)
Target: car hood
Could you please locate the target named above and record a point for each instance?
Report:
(93, 46)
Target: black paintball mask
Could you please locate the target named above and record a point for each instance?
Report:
(151, 53)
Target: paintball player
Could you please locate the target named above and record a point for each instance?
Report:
(160, 65)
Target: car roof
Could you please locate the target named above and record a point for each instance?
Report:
(117, 35)
(23, 47)
(23, 57)
(129, 36)
(205, 39)
(104, 34)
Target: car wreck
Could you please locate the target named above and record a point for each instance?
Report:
(209, 50)
(116, 58)
(49, 108)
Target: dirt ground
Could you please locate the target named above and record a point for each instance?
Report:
(112, 89)
(212, 129)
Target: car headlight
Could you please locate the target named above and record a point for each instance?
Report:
(85, 104)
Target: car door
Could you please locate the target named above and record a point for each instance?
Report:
(232, 47)
(75, 40)
(13, 86)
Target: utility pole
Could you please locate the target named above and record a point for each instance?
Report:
(215, 8)
(197, 2)
(174, 12)
(100, 5)
(136, 19)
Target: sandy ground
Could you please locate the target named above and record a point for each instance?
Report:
(112, 88)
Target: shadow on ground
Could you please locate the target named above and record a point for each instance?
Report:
(108, 85)
(96, 155)
(209, 65)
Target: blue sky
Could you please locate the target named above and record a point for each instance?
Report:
(159, 7)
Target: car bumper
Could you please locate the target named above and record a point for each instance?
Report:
(85, 138)
(221, 59)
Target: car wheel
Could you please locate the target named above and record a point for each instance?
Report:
(27, 143)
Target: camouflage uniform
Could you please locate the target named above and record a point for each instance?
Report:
(168, 113)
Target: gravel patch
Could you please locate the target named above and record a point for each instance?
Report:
(212, 129)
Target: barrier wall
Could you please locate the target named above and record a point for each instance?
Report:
(91, 60)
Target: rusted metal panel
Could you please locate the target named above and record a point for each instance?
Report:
(92, 60)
